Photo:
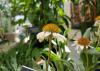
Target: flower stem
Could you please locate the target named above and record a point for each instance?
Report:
(98, 41)
(49, 53)
(87, 60)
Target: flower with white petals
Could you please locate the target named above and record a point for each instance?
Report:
(45, 35)
(82, 43)
(48, 30)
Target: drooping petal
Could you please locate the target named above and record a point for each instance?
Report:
(59, 37)
(43, 35)
(53, 42)
(46, 34)
(77, 46)
(67, 49)
(40, 36)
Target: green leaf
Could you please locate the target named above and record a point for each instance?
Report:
(98, 49)
(37, 52)
(53, 56)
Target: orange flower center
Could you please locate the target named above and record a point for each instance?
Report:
(97, 18)
(51, 28)
(83, 41)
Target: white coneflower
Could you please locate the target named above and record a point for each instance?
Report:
(48, 30)
(79, 44)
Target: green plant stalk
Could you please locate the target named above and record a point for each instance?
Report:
(49, 53)
(98, 41)
(87, 60)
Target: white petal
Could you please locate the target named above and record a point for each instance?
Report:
(40, 62)
(26, 39)
(40, 36)
(54, 42)
(59, 37)
(67, 49)
(46, 34)
(43, 35)
(78, 47)
(69, 59)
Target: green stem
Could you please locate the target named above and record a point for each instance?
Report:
(98, 41)
(87, 60)
(46, 66)
(49, 53)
